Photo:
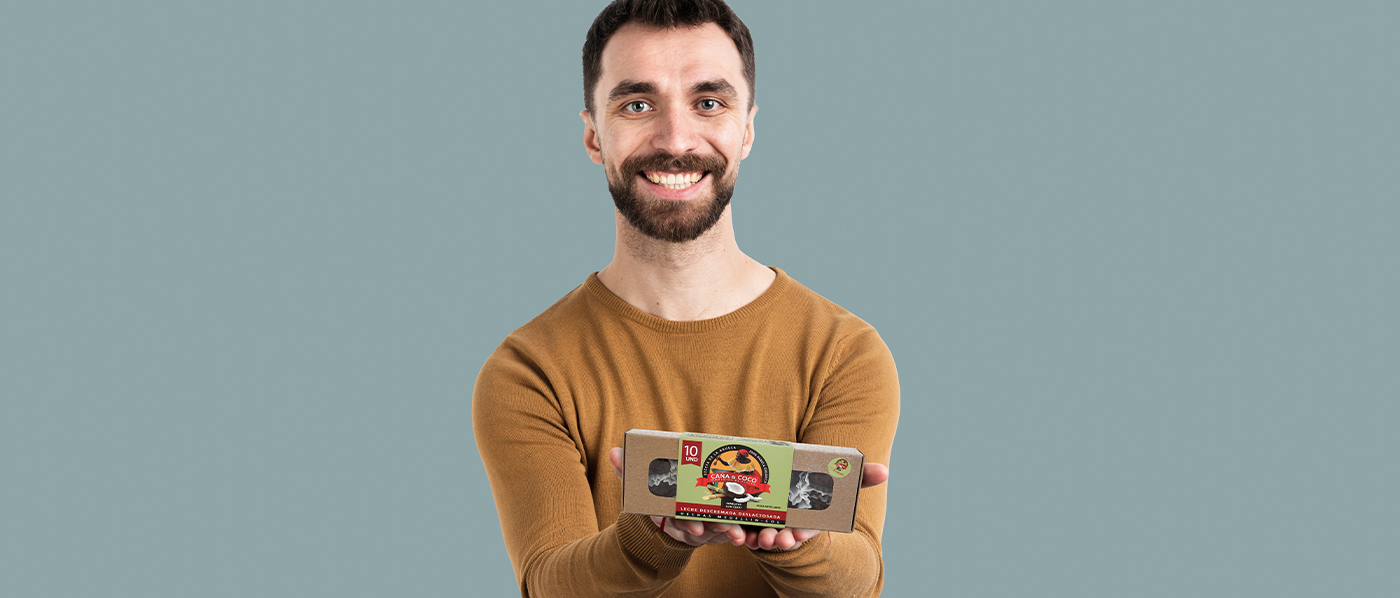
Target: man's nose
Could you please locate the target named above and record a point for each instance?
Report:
(677, 134)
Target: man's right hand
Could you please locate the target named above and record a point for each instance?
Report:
(694, 533)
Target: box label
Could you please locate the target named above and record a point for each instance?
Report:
(738, 480)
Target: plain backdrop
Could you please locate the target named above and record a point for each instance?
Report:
(1137, 263)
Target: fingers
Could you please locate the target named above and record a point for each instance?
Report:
(802, 535)
(725, 532)
(874, 475)
(751, 539)
(736, 535)
(785, 539)
(696, 533)
(676, 530)
(615, 455)
(694, 528)
(764, 539)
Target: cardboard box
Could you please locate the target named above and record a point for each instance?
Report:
(741, 480)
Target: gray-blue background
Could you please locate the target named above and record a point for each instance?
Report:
(1137, 263)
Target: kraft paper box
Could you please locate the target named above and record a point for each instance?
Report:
(740, 480)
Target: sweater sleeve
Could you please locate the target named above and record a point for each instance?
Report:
(858, 407)
(541, 488)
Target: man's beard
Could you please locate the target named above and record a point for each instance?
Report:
(672, 221)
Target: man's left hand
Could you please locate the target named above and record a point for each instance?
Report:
(791, 538)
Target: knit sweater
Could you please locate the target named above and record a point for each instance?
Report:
(560, 392)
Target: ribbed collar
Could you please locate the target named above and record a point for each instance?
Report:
(595, 289)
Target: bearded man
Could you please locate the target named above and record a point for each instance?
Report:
(678, 331)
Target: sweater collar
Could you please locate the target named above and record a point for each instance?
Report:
(595, 289)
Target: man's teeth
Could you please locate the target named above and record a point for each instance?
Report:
(674, 181)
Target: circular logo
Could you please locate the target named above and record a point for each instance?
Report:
(737, 474)
(839, 467)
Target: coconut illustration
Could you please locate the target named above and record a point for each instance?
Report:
(735, 495)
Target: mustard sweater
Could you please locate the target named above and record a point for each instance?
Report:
(561, 390)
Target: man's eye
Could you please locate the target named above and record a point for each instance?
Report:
(708, 105)
(636, 106)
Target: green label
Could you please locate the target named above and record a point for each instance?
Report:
(739, 480)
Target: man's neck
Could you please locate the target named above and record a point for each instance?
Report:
(696, 280)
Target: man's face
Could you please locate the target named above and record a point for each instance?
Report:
(672, 123)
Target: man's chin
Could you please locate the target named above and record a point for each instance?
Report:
(667, 218)
(673, 228)
(673, 221)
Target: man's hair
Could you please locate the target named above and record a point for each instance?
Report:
(667, 14)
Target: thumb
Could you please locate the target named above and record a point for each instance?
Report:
(874, 475)
(615, 456)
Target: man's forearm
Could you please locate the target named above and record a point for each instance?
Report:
(628, 558)
(829, 564)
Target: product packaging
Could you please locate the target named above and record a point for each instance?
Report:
(741, 480)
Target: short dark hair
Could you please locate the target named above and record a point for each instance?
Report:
(667, 14)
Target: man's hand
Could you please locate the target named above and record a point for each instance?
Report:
(694, 533)
(790, 538)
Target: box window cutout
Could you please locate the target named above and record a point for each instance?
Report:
(809, 490)
(661, 477)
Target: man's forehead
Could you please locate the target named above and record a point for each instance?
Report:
(670, 57)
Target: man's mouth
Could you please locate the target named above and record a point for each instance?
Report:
(674, 180)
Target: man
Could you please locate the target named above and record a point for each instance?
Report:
(680, 331)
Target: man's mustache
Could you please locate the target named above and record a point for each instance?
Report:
(686, 162)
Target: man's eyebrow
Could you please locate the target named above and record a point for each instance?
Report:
(719, 86)
(629, 87)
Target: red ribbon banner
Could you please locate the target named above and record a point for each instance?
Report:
(750, 483)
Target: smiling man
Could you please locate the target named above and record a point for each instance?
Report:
(670, 168)
(681, 331)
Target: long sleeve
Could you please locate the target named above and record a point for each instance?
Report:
(540, 483)
(563, 390)
(858, 407)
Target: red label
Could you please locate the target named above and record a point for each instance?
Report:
(690, 452)
(685, 508)
(751, 484)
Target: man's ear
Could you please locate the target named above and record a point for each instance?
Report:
(748, 134)
(590, 138)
